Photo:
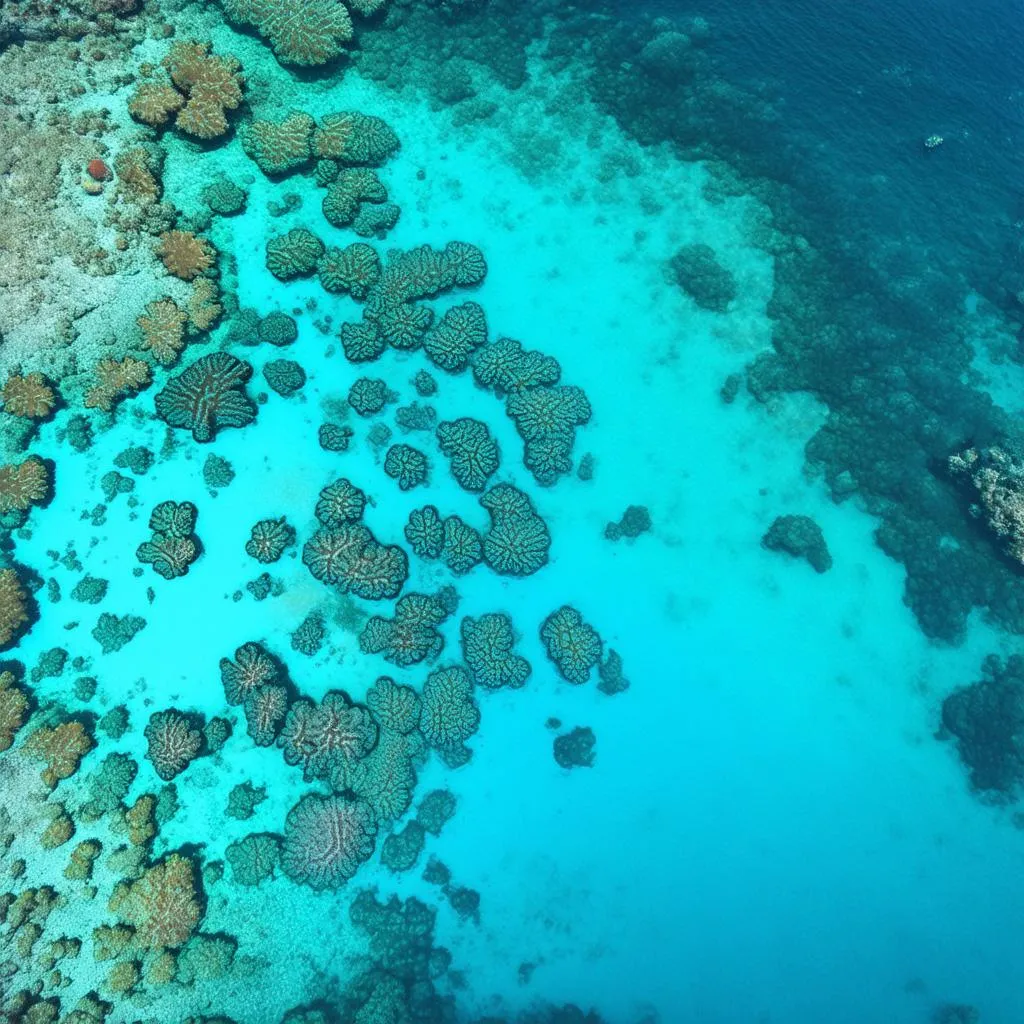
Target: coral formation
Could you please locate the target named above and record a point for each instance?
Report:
(462, 549)
(412, 635)
(173, 743)
(23, 484)
(451, 342)
(326, 839)
(995, 480)
(173, 546)
(339, 503)
(321, 737)
(14, 607)
(253, 859)
(285, 376)
(575, 749)
(112, 632)
(407, 465)
(368, 395)
(386, 778)
(395, 707)
(448, 714)
(164, 905)
(353, 138)
(116, 379)
(277, 328)
(301, 32)
(697, 270)
(279, 147)
(269, 539)
(352, 559)
(546, 418)
(350, 189)
(29, 396)
(472, 452)
(362, 342)
(14, 708)
(487, 648)
(61, 747)
(252, 668)
(633, 522)
(354, 269)
(504, 368)
(801, 537)
(185, 254)
(572, 644)
(425, 532)
(208, 396)
(163, 330)
(294, 254)
(518, 541)
(265, 710)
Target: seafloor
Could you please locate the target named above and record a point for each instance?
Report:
(747, 500)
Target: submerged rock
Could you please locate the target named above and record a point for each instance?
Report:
(801, 537)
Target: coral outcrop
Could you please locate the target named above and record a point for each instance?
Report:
(29, 396)
(321, 737)
(208, 396)
(411, 636)
(488, 649)
(326, 839)
(300, 32)
(174, 743)
(115, 380)
(279, 147)
(23, 484)
(269, 539)
(573, 645)
(801, 537)
(471, 451)
(518, 541)
(173, 545)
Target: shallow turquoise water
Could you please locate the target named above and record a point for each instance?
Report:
(770, 829)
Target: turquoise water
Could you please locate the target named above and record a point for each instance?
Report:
(775, 308)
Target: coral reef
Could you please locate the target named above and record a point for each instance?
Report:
(350, 189)
(362, 342)
(269, 539)
(801, 537)
(265, 710)
(279, 147)
(352, 559)
(112, 632)
(277, 328)
(253, 859)
(995, 479)
(339, 503)
(448, 715)
(320, 737)
(407, 465)
(352, 138)
(463, 548)
(575, 749)
(285, 376)
(572, 644)
(173, 743)
(487, 648)
(472, 452)
(518, 541)
(164, 905)
(294, 254)
(61, 747)
(504, 368)
(208, 396)
(386, 778)
(185, 254)
(368, 395)
(633, 522)
(173, 546)
(29, 395)
(326, 839)
(15, 607)
(252, 669)
(425, 532)
(300, 32)
(697, 270)
(23, 484)
(163, 330)
(546, 418)
(987, 721)
(412, 635)
(452, 341)
(116, 379)
(14, 706)
(395, 707)
(354, 269)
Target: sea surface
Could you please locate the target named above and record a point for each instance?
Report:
(728, 792)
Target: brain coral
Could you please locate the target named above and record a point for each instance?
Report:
(487, 646)
(354, 269)
(362, 342)
(339, 503)
(252, 668)
(546, 418)
(395, 707)
(503, 367)
(518, 541)
(317, 737)
(29, 396)
(407, 465)
(303, 32)
(326, 839)
(265, 710)
(173, 743)
(163, 905)
(173, 546)
(353, 138)
(353, 186)
(115, 380)
(379, 573)
(13, 709)
(462, 546)
(268, 540)
(411, 636)
(23, 484)
(448, 715)
(425, 532)
(185, 254)
(472, 451)
(279, 147)
(163, 330)
(207, 396)
(460, 331)
(294, 254)
(572, 644)
(253, 858)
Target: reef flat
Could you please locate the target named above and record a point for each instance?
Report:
(475, 547)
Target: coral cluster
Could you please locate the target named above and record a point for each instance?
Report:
(174, 742)
(472, 452)
(518, 541)
(23, 484)
(268, 540)
(207, 396)
(300, 32)
(801, 537)
(411, 636)
(995, 478)
(487, 648)
(572, 644)
(29, 395)
(173, 545)
(116, 380)
(326, 839)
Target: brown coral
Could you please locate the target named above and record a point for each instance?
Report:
(213, 85)
(23, 484)
(154, 102)
(115, 380)
(62, 747)
(14, 607)
(163, 330)
(29, 396)
(163, 904)
(13, 709)
(203, 306)
(185, 255)
(138, 174)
